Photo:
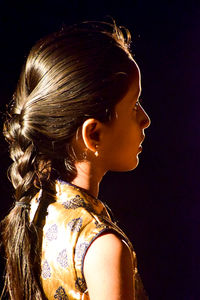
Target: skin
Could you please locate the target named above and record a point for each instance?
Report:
(118, 144)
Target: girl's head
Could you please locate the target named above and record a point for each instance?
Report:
(70, 76)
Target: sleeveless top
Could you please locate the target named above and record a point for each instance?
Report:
(70, 225)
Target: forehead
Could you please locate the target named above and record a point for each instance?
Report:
(133, 92)
(136, 81)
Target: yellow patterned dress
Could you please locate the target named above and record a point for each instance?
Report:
(70, 225)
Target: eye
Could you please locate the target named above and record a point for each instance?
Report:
(137, 105)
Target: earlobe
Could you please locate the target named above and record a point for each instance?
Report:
(91, 134)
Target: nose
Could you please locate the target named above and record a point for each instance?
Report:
(145, 120)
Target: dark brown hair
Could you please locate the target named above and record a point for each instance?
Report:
(69, 76)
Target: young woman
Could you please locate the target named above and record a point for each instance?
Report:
(75, 115)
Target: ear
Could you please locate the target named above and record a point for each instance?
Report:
(91, 133)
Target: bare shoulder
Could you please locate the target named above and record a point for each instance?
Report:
(108, 269)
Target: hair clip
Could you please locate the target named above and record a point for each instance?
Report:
(23, 204)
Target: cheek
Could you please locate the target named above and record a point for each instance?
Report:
(121, 154)
(131, 136)
(125, 144)
(123, 138)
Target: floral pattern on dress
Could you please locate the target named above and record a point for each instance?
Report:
(80, 284)
(80, 250)
(62, 258)
(75, 224)
(74, 203)
(46, 270)
(60, 294)
(77, 202)
(52, 233)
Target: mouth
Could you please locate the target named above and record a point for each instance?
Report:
(140, 146)
(142, 138)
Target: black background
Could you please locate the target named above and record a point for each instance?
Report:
(157, 204)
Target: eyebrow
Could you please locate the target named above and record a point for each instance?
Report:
(139, 92)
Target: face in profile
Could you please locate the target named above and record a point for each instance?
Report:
(125, 133)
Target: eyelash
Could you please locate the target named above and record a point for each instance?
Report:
(137, 104)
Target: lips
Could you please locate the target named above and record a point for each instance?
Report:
(142, 140)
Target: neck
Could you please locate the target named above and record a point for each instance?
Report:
(88, 177)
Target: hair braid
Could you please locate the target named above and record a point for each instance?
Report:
(22, 280)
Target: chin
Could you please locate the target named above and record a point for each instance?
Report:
(134, 165)
(129, 167)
